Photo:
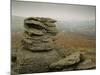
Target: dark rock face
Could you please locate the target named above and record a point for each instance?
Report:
(38, 52)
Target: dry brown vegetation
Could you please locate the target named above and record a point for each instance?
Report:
(70, 40)
(16, 40)
(66, 40)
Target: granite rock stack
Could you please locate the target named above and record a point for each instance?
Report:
(37, 34)
(38, 51)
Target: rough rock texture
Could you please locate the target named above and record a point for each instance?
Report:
(65, 62)
(38, 52)
(31, 62)
(86, 64)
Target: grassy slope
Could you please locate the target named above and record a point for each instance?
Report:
(70, 40)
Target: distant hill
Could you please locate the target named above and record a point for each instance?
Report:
(69, 40)
(86, 28)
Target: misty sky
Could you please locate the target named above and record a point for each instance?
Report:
(56, 11)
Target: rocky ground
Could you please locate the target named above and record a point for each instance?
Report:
(38, 52)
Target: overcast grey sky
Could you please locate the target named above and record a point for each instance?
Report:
(53, 10)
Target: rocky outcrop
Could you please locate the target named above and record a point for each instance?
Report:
(38, 52)
(67, 61)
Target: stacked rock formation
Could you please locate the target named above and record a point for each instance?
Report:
(38, 52)
(37, 34)
(38, 49)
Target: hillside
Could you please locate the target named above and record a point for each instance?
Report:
(66, 40)
(72, 40)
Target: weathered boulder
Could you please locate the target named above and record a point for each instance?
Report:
(67, 61)
(38, 50)
(33, 62)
